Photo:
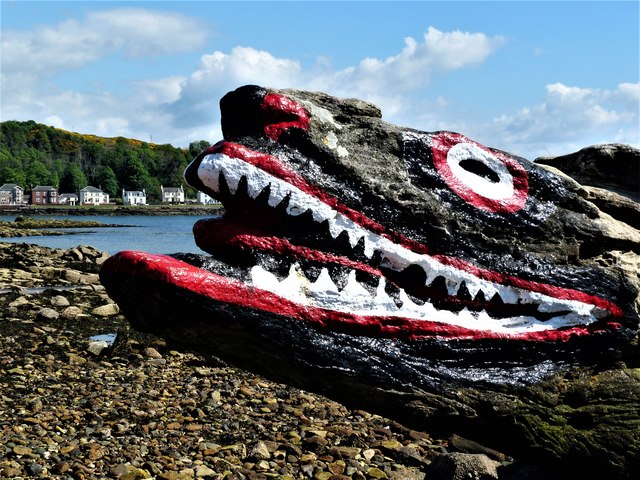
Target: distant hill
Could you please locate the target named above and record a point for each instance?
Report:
(33, 154)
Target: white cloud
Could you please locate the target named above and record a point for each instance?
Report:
(385, 82)
(571, 118)
(72, 44)
(413, 66)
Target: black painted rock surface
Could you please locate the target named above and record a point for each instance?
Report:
(420, 275)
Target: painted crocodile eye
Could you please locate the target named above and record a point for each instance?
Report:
(488, 180)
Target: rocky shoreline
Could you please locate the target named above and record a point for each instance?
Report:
(114, 210)
(76, 408)
(26, 226)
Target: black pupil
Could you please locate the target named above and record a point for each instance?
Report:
(478, 168)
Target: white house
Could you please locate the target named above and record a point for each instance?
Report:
(68, 199)
(172, 194)
(134, 197)
(93, 196)
(205, 199)
(11, 194)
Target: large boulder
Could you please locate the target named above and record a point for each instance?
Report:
(421, 275)
(610, 177)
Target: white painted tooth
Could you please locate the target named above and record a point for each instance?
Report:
(508, 294)
(209, 173)
(368, 247)
(428, 311)
(431, 276)
(277, 193)
(295, 281)
(256, 183)
(232, 181)
(322, 213)
(324, 284)
(334, 229)
(263, 279)
(407, 303)
(353, 290)
(483, 318)
(465, 315)
(353, 237)
(473, 288)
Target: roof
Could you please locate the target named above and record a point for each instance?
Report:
(44, 188)
(131, 192)
(89, 188)
(68, 195)
(172, 189)
(10, 186)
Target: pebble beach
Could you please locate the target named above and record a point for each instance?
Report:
(84, 396)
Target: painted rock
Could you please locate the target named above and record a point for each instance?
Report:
(420, 275)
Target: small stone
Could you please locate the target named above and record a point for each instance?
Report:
(47, 314)
(322, 475)
(72, 276)
(60, 468)
(151, 352)
(18, 302)
(118, 471)
(315, 442)
(76, 359)
(344, 452)
(59, 301)
(337, 468)
(20, 450)
(260, 452)
(204, 471)
(134, 473)
(71, 312)
(75, 254)
(376, 473)
(107, 310)
(463, 465)
(34, 469)
(391, 444)
(97, 347)
(11, 472)
(368, 454)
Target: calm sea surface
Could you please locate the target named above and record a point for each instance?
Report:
(152, 234)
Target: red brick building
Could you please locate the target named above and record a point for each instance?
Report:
(42, 195)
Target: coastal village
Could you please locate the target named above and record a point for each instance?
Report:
(13, 195)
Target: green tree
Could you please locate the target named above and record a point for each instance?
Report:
(136, 176)
(195, 148)
(108, 181)
(37, 174)
(73, 179)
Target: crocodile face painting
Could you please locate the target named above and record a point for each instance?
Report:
(357, 255)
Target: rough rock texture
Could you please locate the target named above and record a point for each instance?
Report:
(139, 409)
(421, 275)
(610, 177)
(611, 166)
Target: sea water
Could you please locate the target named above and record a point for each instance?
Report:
(152, 234)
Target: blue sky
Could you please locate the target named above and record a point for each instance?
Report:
(534, 78)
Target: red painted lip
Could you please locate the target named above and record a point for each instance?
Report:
(168, 270)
